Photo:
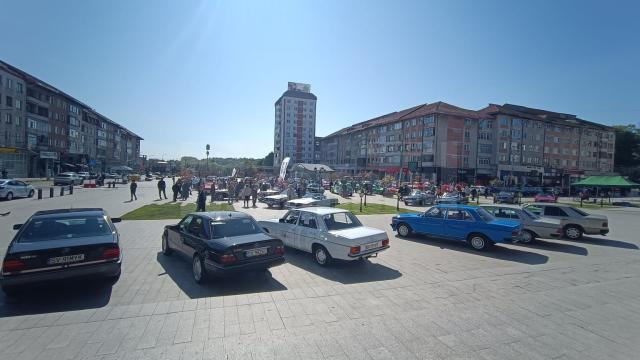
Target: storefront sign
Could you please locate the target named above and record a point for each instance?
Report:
(48, 155)
(8, 150)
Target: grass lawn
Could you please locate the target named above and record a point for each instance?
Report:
(170, 211)
(372, 209)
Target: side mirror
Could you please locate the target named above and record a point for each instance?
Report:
(17, 226)
(116, 220)
(281, 220)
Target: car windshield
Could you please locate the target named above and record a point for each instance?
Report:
(340, 221)
(579, 211)
(530, 214)
(485, 215)
(69, 227)
(234, 227)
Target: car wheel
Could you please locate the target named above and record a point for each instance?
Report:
(527, 237)
(479, 242)
(31, 193)
(166, 250)
(321, 255)
(573, 232)
(9, 196)
(404, 230)
(198, 270)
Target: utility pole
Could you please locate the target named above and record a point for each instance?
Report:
(208, 148)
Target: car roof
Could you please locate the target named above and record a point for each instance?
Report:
(61, 212)
(219, 215)
(457, 206)
(548, 204)
(323, 210)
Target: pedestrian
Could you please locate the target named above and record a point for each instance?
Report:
(202, 200)
(474, 194)
(213, 191)
(133, 187)
(486, 193)
(162, 188)
(4, 173)
(254, 195)
(176, 189)
(245, 194)
(184, 190)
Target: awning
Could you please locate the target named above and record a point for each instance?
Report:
(606, 181)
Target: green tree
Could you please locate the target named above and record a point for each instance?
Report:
(268, 160)
(627, 146)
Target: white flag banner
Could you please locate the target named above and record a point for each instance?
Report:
(283, 167)
(233, 173)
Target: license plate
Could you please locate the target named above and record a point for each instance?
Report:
(373, 245)
(256, 252)
(65, 259)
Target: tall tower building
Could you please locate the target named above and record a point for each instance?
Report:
(295, 125)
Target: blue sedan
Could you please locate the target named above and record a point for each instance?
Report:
(458, 222)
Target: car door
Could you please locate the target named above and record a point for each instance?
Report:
(431, 222)
(14, 188)
(306, 232)
(457, 223)
(555, 212)
(22, 188)
(175, 237)
(193, 238)
(288, 226)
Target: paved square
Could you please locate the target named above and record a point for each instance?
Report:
(421, 299)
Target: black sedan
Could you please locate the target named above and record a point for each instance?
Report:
(418, 197)
(62, 244)
(222, 243)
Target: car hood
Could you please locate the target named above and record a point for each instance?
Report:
(62, 243)
(303, 200)
(357, 232)
(239, 240)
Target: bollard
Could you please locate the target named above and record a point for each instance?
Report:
(40, 194)
(70, 189)
(50, 192)
(61, 190)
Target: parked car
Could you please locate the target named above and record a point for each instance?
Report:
(327, 233)
(342, 189)
(222, 243)
(545, 197)
(315, 189)
(148, 177)
(418, 197)
(67, 178)
(62, 244)
(467, 223)
(84, 175)
(452, 198)
(533, 226)
(576, 221)
(10, 189)
(505, 197)
(310, 199)
(278, 200)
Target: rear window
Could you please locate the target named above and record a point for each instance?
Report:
(484, 215)
(64, 228)
(234, 227)
(579, 211)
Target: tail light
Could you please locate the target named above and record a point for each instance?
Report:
(227, 259)
(111, 253)
(385, 242)
(9, 266)
(354, 250)
(279, 250)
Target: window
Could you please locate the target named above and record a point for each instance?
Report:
(9, 101)
(434, 213)
(485, 148)
(428, 120)
(554, 211)
(292, 217)
(308, 220)
(429, 131)
(504, 121)
(18, 104)
(19, 88)
(466, 147)
(467, 134)
(484, 161)
(65, 228)
(458, 215)
(233, 227)
(341, 220)
(484, 135)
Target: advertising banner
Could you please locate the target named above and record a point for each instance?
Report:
(283, 167)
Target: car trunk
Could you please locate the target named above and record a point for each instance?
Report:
(248, 248)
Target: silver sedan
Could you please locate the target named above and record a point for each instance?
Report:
(10, 189)
(533, 226)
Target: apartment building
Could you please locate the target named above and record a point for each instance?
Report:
(49, 131)
(446, 143)
(295, 125)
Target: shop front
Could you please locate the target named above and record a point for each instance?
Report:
(14, 161)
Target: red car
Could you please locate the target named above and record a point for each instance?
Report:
(545, 198)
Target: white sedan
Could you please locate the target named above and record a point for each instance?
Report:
(327, 233)
(10, 189)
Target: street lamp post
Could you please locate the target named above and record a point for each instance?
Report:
(208, 147)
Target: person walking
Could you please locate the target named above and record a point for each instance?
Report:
(185, 190)
(231, 192)
(202, 200)
(213, 191)
(133, 187)
(254, 195)
(162, 186)
(176, 190)
(245, 194)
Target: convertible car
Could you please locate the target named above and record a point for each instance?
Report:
(327, 233)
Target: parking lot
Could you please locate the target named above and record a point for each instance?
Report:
(423, 298)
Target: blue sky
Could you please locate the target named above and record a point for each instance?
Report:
(186, 73)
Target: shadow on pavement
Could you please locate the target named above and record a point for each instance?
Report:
(344, 272)
(57, 296)
(557, 247)
(606, 242)
(178, 268)
(497, 252)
